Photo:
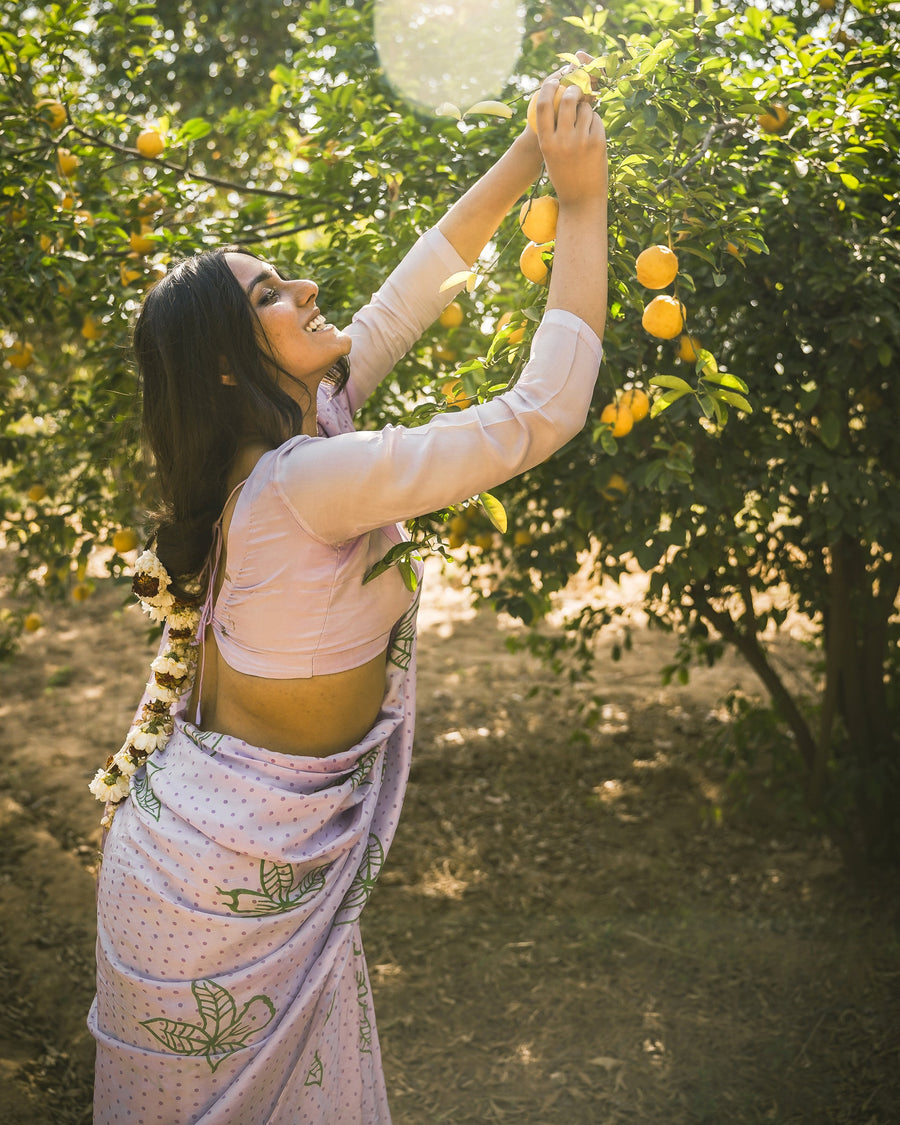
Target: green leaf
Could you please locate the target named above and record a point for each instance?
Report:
(494, 109)
(830, 430)
(408, 574)
(665, 401)
(736, 400)
(494, 511)
(461, 278)
(448, 109)
(673, 382)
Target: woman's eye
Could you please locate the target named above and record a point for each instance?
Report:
(267, 296)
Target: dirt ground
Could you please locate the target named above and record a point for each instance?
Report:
(567, 932)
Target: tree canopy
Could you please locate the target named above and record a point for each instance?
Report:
(757, 143)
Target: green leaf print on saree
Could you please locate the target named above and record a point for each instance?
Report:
(404, 638)
(363, 883)
(277, 892)
(222, 1030)
(142, 792)
(363, 767)
(316, 1072)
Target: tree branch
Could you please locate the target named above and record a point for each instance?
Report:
(184, 169)
(702, 149)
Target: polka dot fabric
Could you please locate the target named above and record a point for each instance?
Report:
(232, 986)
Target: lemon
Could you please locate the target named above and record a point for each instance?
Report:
(615, 488)
(66, 161)
(688, 348)
(32, 622)
(36, 493)
(54, 113)
(20, 355)
(637, 402)
(532, 265)
(452, 316)
(141, 243)
(663, 317)
(656, 267)
(125, 540)
(150, 143)
(517, 334)
(537, 218)
(617, 415)
(773, 121)
(90, 328)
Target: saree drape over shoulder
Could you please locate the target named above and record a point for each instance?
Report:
(231, 983)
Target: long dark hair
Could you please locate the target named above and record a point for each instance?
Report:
(195, 325)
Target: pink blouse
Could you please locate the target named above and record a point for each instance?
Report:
(318, 512)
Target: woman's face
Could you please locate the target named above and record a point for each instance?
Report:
(296, 333)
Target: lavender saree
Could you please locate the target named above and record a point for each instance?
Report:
(232, 985)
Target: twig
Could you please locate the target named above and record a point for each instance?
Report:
(716, 127)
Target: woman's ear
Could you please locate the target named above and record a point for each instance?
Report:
(225, 375)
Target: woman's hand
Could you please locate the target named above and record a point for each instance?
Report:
(573, 144)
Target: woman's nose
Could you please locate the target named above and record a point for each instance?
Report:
(304, 291)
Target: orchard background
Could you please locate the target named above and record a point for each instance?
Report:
(629, 892)
(763, 484)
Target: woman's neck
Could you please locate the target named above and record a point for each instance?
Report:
(245, 462)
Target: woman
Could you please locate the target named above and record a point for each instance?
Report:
(232, 986)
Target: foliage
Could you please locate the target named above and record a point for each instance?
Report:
(282, 133)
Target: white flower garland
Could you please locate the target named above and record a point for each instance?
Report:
(171, 676)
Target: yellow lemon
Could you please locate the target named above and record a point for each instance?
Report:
(637, 402)
(532, 265)
(125, 540)
(91, 329)
(516, 335)
(141, 243)
(66, 161)
(53, 112)
(656, 267)
(537, 218)
(617, 415)
(128, 275)
(149, 143)
(455, 393)
(773, 121)
(20, 355)
(615, 488)
(688, 348)
(81, 591)
(663, 317)
(32, 622)
(452, 316)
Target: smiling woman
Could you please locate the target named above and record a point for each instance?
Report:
(304, 347)
(259, 792)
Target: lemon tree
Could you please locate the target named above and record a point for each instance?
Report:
(761, 477)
